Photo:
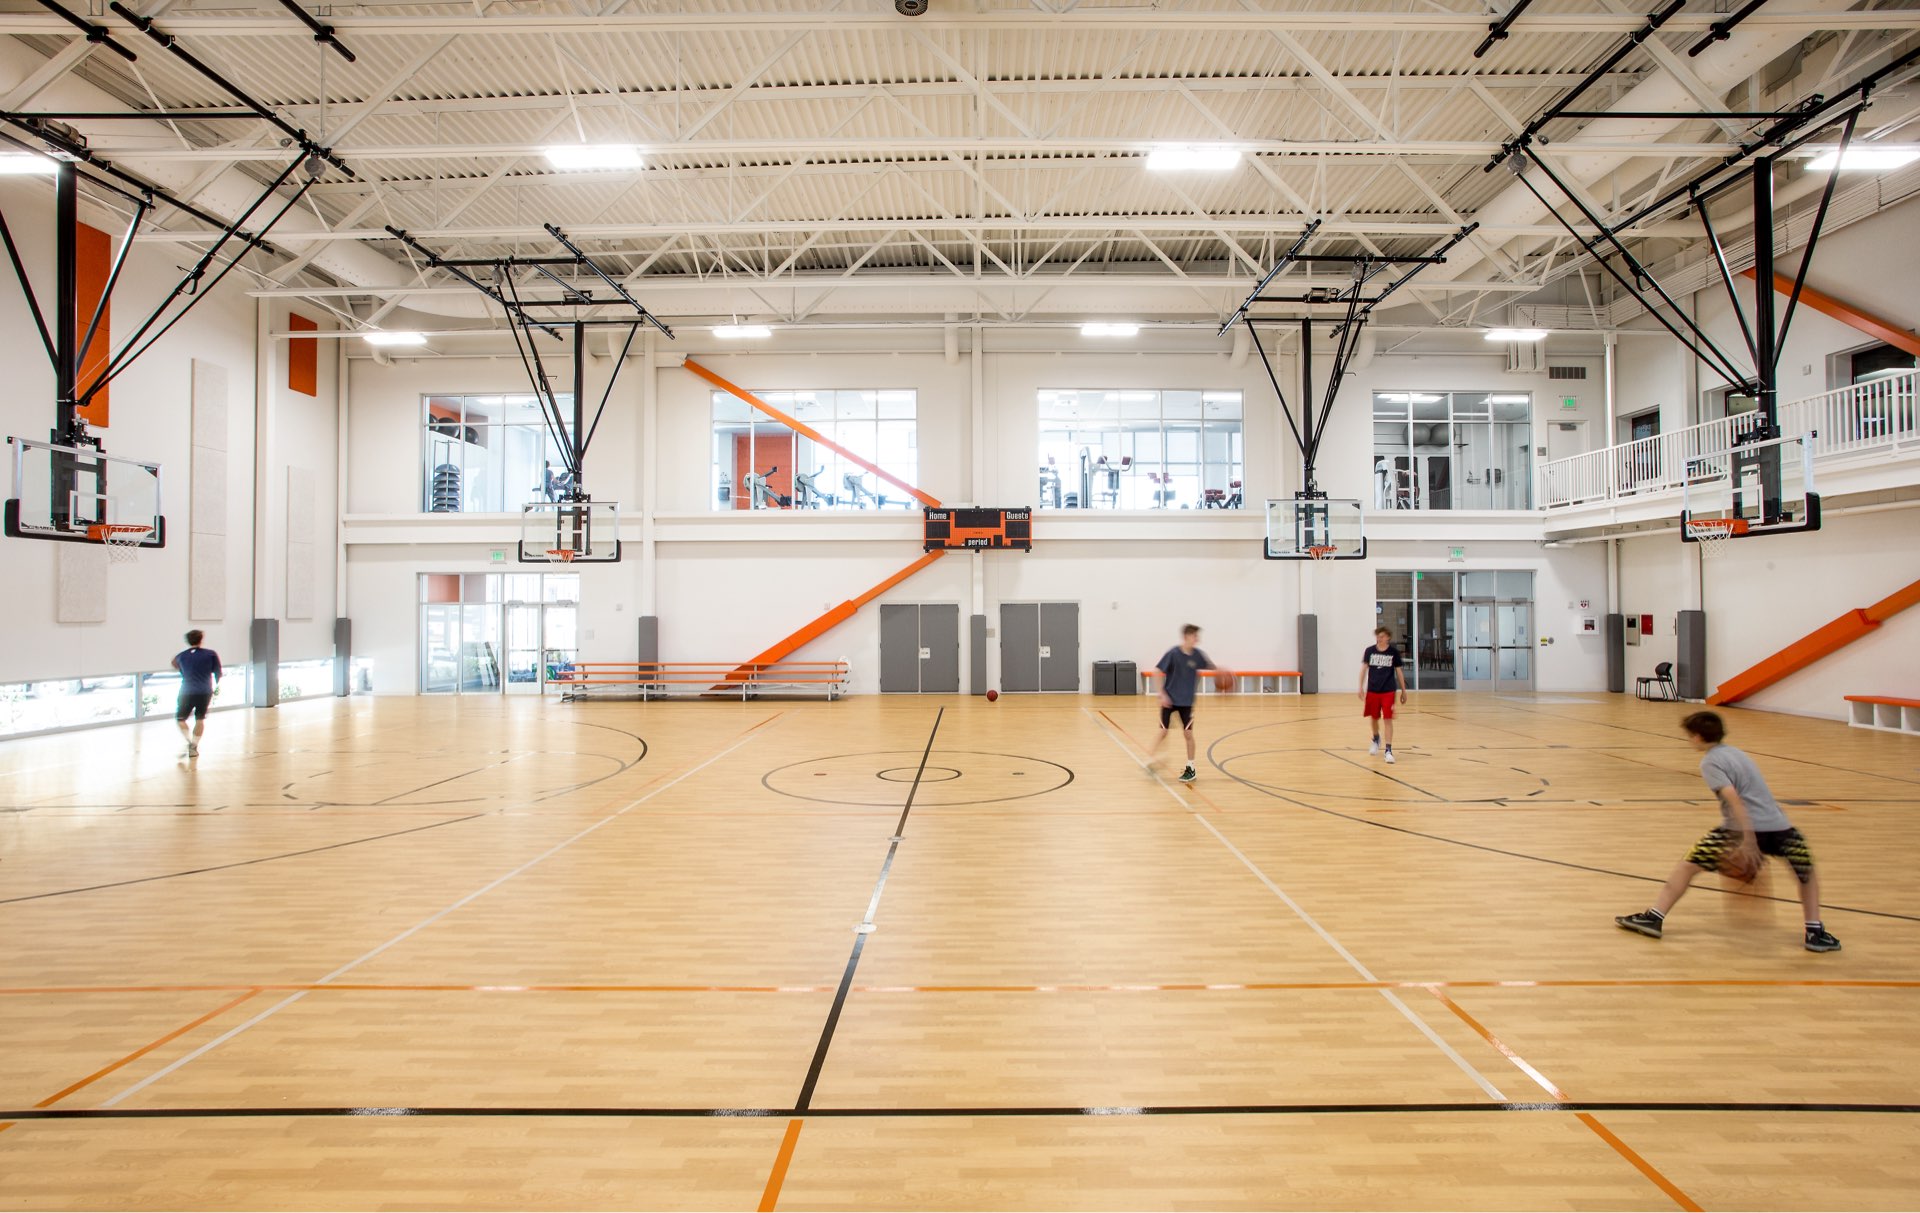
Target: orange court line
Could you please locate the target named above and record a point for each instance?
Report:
(1605, 1134)
(1572, 983)
(137, 1054)
(770, 1197)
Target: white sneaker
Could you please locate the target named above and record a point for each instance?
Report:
(1375, 747)
(193, 749)
(1389, 756)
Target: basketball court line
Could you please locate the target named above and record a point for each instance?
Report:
(1488, 983)
(1576, 1107)
(1326, 936)
(288, 1001)
(352, 842)
(770, 1194)
(1620, 1147)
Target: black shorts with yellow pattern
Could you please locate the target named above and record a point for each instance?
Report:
(1723, 841)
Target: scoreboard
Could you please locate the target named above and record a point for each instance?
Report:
(980, 529)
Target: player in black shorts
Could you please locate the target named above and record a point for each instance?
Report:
(199, 677)
(1180, 673)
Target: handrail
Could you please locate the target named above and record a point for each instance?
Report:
(1879, 414)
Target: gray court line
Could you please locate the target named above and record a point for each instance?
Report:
(1480, 1080)
(422, 925)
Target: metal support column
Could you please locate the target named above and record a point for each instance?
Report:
(66, 323)
(1766, 336)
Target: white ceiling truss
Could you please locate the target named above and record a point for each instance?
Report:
(816, 158)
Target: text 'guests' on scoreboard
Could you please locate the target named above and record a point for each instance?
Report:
(980, 529)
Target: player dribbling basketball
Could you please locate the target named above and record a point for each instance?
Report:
(1180, 671)
(1751, 825)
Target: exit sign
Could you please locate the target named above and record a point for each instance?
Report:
(1569, 402)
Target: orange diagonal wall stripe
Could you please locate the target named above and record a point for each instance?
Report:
(93, 261)
(801, 427)
(1823, 641)
(1866, 322)
(838, 615)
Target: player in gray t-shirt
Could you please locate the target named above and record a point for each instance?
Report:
(1751, 826)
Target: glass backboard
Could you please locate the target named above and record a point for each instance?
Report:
(1757, 488)
(1315, 528)
(570, 532)
(78, 494)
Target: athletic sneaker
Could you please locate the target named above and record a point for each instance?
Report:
(193, 750)
(1648, 924)
(1390, 758)
(1374, 748)
(1187, 776)
(1822, 941)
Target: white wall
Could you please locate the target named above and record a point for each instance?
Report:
(150, 416)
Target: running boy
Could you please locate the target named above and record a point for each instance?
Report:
(199, 674)
(1181, 669)
(1381, 669)
(1751, 825)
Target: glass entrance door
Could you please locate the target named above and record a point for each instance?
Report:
(1496, 645)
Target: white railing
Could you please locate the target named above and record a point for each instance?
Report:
(1881, 414)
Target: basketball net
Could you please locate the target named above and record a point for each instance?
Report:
(1712, 534)
(1322, 552)
(122, 540)
(561, 555)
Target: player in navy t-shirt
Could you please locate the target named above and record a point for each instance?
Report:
(1180, 672)
(199, 676)
(1381, 670)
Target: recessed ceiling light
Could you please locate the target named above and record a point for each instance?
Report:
(741, 332)
(1104, 328)
(1864, 158)
(26, 164)
(1192, 158)
(588, 157)
(1516, 334)
(381, 337)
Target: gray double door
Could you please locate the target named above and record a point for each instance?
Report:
(1040, 646)
(920, 647)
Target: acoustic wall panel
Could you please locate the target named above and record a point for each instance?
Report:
(207, 496)
(80, 583)
(299, 547)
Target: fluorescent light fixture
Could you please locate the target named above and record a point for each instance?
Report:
(1505, 399)
(741, 332)
(1104, 328)
(589, 157)
(1192, 158)
(26, 164)
(1516, 334)
(380, 337)
(1864, 158)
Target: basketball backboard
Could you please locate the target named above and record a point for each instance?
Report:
(570, 532)
(1757, 488)
(1315, 528)
(76, 494)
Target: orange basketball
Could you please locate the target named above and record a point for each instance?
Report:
(992, 695)
(1223, 682)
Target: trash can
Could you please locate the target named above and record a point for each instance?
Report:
(1103, 678)
(1126, 678)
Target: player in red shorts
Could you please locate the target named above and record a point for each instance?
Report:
(1381, 669)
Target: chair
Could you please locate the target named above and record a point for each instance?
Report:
(1660, 686)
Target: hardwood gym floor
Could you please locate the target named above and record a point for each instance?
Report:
(486, 953)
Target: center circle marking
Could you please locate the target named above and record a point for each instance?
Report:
(906, 774)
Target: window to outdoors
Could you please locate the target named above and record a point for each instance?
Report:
(1452, 450)
(1139, 449)
(760, 464)
(488, 454)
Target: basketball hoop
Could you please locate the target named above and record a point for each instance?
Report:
(561, 555)
(1713, 534)
(121, 539)
(1322, 551)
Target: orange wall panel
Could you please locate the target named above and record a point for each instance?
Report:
(303, 357)
(93, 259)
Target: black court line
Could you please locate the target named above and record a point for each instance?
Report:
(805, 1101)
(1066, 1110)
(1382, 774)
(352, 842)
(1265, 790)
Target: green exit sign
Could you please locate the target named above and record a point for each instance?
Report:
(1569, 402)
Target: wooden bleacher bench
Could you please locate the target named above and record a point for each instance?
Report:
(1887, 713)
(661, 679)
(1285, 682)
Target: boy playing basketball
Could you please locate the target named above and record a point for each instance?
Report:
(1181, 669)
(1751, 825)
(1381, 670)
(199, 674)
